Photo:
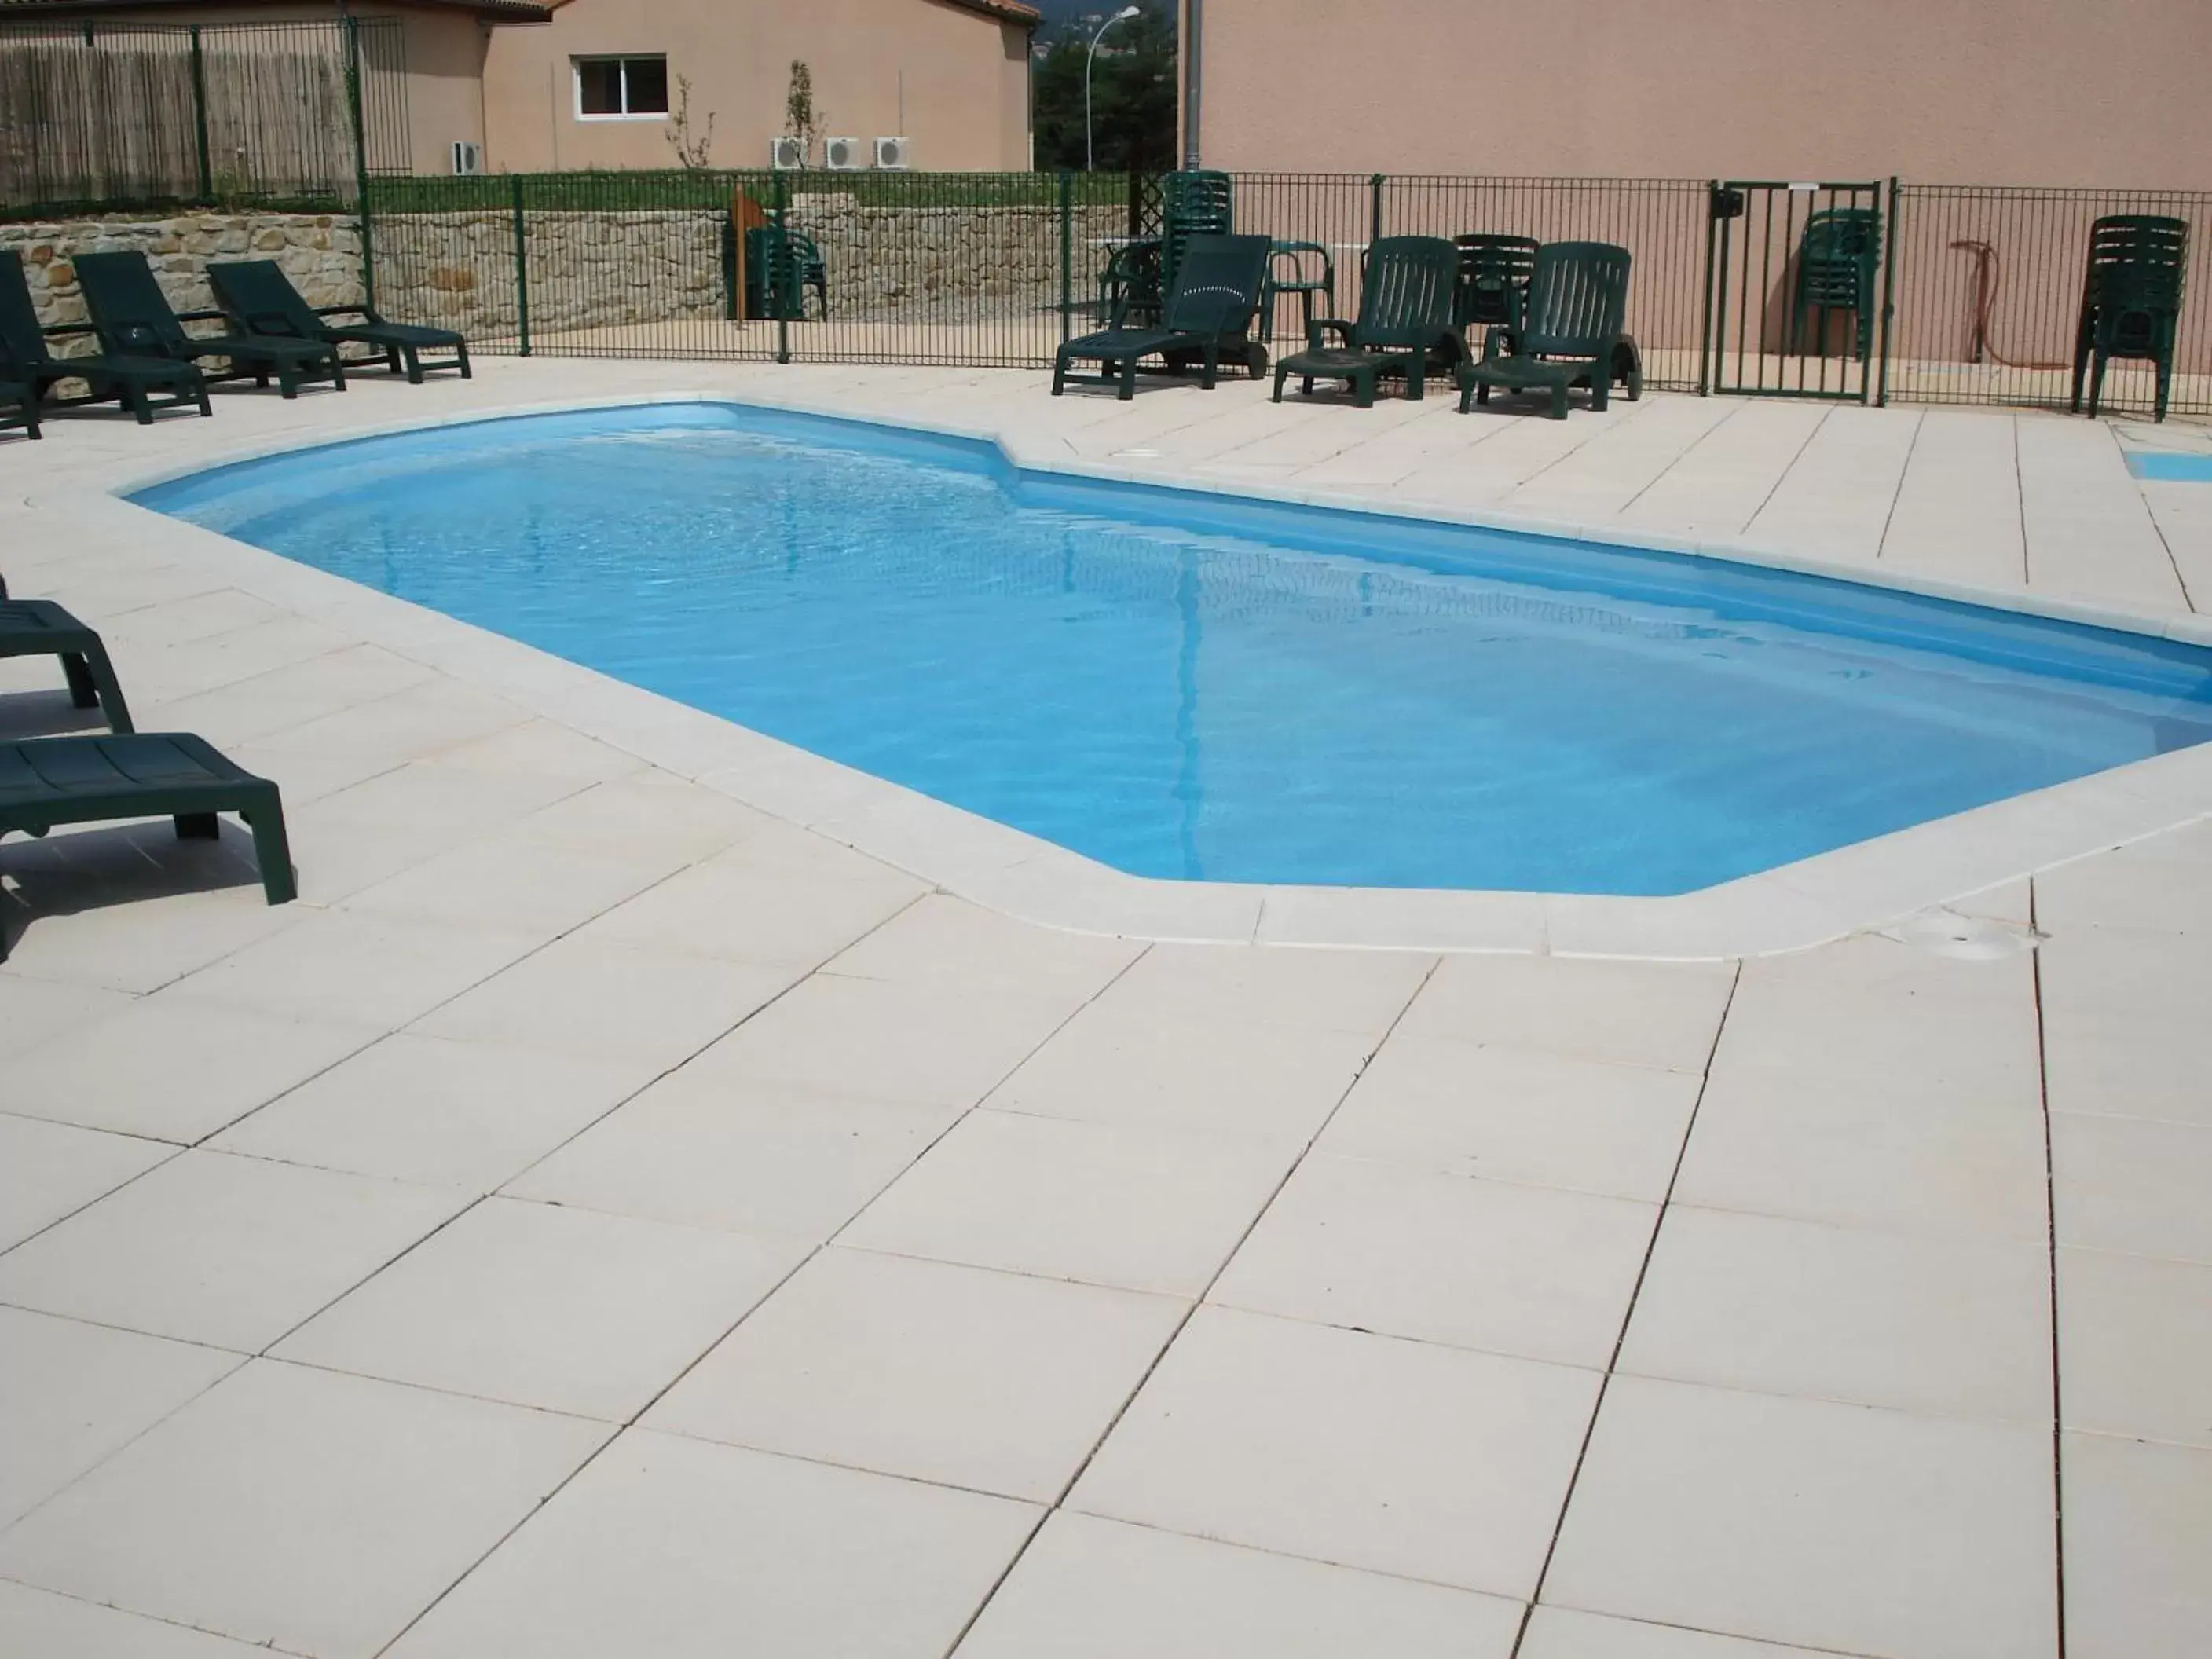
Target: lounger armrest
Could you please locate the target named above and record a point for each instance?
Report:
(1321, 326)
(1495, 342)
(361, 311)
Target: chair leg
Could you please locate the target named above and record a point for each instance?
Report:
(198, 826)
(337, 371)
(1363, 380)
(1558, 400)
(414, 366)
(1059, 373)
(1281, 375)
(2096, 383)
(2080, 365)
(1129, 380)
(1209, 367)
(206, 408)
(272, 850)
(106, 687)
(82, 693)
(2164, 383)
(465, 361)
(140, 405)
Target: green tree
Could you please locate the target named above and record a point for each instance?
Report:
(1132, 93)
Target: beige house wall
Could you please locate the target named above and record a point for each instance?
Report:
(2049, 92)
(952, 80)
(445, 53)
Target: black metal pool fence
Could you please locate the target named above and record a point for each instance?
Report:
(1861, 291)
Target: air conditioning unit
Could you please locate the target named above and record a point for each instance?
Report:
(841, 154)
(786, 155)
(468, 158)
(893, 153)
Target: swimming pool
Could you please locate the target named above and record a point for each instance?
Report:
(1194, 686)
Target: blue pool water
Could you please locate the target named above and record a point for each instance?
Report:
(2170, 467)
(1194, 686)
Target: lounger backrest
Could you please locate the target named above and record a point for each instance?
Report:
(127, 305)
(1406, 297)
(22, 346)
(1217, 285)
(1577, 300)
(260, 297)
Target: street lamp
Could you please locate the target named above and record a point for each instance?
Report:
(1120, 16)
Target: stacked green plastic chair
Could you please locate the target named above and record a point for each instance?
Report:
(1837, 259)
(2131, 299)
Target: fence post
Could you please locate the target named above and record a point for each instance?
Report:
(1705, 327)
(1888, 292)
(199, 118)
(1374, 209)
(360, 154)
(779, 256)
(521, 269)
(1066, 251)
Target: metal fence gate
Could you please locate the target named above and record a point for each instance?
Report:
(1799, 291)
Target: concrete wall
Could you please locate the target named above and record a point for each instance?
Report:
(2049, 92)
(953, 79)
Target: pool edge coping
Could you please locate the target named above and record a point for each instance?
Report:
(1857, 888)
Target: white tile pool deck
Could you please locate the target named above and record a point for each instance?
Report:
(601, 1218)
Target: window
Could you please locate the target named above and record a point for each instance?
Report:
(622, 89)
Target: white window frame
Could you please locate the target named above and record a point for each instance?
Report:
(576, 84)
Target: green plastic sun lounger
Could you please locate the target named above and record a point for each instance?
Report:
(44, 782)
(1571, 333)
(37, 628)
(15, 395)
(1406, 301)
(141, 385)
(260, 300)
(133, 318)
(1208, 318)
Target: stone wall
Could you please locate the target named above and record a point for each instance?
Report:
(587, 270)
(613, 269)
(321, 253)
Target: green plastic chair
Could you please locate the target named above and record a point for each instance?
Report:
(44, 782)
(781, 265)
(133, 318)
(1208, 320)
(2131, 299)
(1494, 273)
(1837, 258)
(141, 385)
(1571, 333)
(1405, 312)
(1288, 273)
(259, 298)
